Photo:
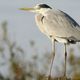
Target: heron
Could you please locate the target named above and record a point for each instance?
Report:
(58, 26)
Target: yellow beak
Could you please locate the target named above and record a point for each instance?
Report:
(27, 9)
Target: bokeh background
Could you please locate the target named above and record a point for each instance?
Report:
(24, 51)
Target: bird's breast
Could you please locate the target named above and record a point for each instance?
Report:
(39, 21)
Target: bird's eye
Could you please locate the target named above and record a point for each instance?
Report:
(38, 7)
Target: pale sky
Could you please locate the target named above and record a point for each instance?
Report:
(22, 27)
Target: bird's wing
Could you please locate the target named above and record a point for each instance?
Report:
(61, 24)
(59, 16)
(71, 20)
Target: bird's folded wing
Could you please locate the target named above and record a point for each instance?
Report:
(61, 24)
(73, 23)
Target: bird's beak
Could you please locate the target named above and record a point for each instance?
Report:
(27, 9)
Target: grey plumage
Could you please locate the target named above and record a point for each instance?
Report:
(71, 20)
(60, 25)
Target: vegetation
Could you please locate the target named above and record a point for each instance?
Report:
(21, 69)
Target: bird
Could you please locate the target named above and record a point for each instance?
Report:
(57, 25)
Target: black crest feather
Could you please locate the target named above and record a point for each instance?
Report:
(44, 6)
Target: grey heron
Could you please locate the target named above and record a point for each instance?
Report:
(57, 25)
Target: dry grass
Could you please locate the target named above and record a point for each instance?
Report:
(57, 78)
(43, 77)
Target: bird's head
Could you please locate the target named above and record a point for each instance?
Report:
(39, 8)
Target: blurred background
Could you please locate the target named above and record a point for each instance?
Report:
(25, 52)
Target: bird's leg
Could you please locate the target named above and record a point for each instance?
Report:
(53, 55)
(65, 61)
